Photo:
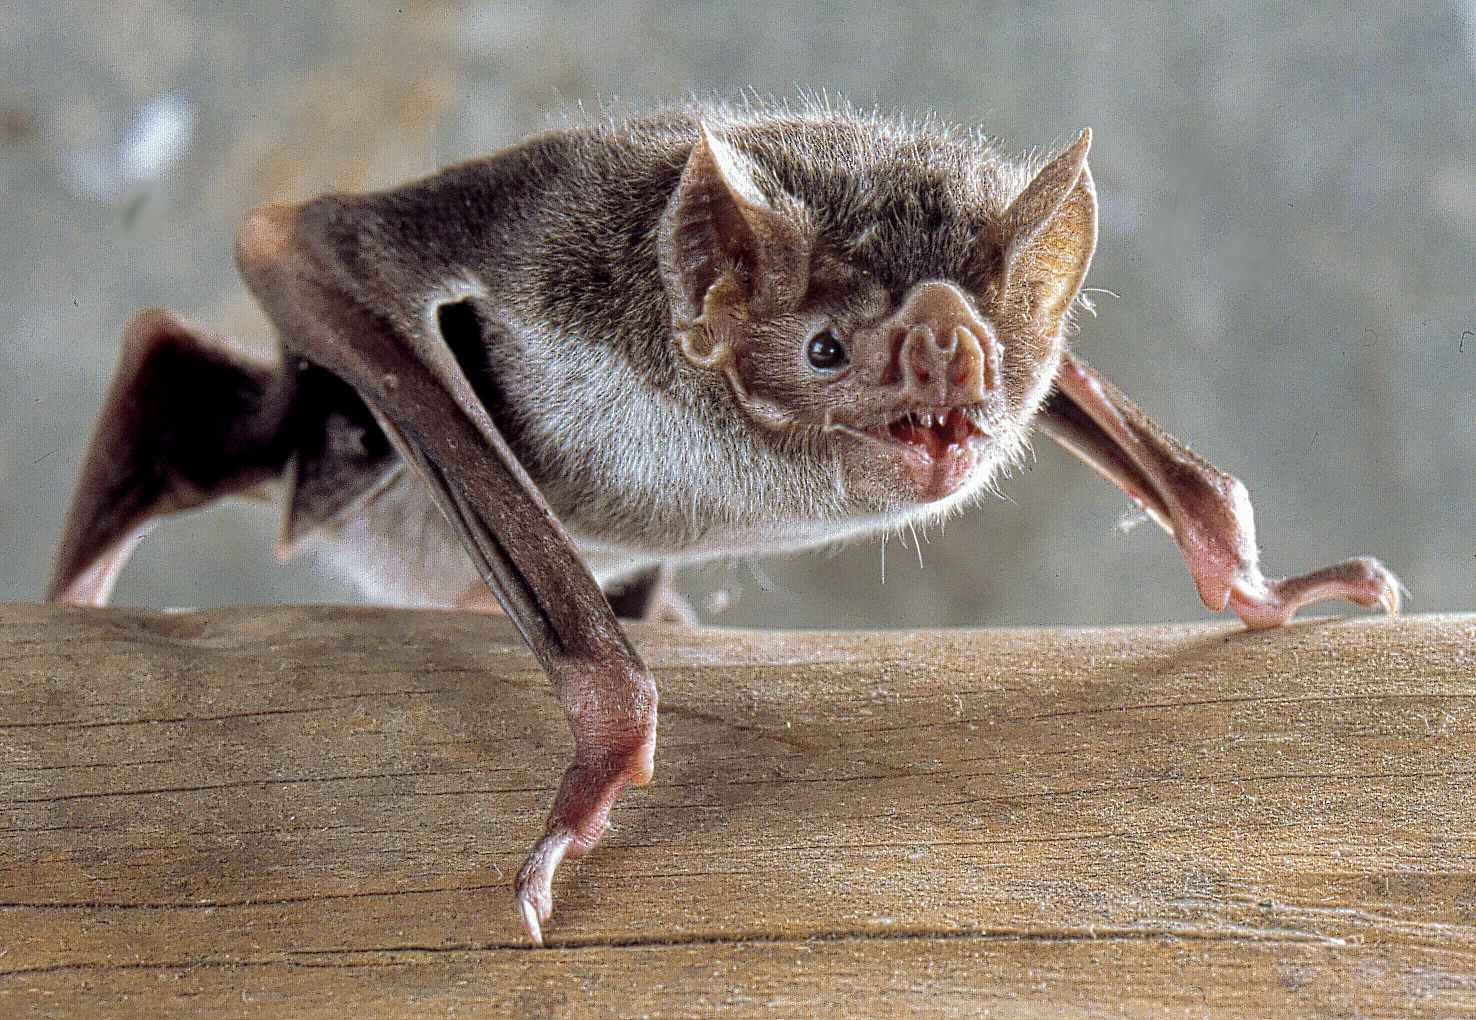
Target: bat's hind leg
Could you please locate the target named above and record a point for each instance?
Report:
(188, 417)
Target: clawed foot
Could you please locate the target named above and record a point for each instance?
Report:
(578, 818)
(1261, 604)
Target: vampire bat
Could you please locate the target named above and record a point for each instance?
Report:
(631, 344)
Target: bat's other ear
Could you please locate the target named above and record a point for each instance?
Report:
(1049, 234)
(726, 251)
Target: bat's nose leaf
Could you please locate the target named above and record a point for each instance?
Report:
(940, 356)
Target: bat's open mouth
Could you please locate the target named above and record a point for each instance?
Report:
(936, 432)
(939, 448)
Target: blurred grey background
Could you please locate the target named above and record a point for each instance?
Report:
(1288, 233)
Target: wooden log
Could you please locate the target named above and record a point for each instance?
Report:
(310, 811)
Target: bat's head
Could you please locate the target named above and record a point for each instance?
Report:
(898, 298)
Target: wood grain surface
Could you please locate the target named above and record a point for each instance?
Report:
(310, 811)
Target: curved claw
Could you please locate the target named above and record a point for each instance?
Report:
(534, 884)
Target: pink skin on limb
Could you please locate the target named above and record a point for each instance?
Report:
(1206, 510)
(614, 724)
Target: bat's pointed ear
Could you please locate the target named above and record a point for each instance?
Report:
(726, 249)
(1049, 234)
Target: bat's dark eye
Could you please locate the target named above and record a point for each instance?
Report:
(825, 352)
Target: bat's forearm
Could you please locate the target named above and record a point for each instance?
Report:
(1206, 510)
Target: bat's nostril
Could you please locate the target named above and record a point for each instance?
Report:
(965, 367)
(920, 373)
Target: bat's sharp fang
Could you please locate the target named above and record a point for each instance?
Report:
(935, 431)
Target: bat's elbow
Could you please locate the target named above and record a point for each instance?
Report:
(265, 238)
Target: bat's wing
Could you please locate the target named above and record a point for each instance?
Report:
(1206, 510)
(341, 312)
(188, 418)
